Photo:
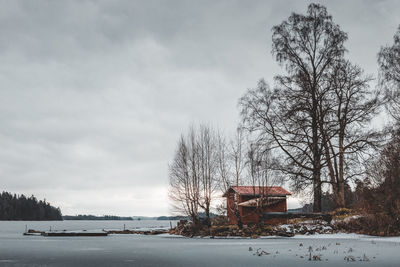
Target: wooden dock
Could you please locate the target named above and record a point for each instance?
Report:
(75, 234)
(31, 232)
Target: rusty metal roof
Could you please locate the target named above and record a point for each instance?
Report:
(258, 190)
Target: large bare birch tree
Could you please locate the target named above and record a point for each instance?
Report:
(320, 111)
(307, 46)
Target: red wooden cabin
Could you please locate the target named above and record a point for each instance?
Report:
(249, 197)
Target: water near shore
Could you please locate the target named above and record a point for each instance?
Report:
(139, 250)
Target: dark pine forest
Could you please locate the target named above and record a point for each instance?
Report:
(14, 207)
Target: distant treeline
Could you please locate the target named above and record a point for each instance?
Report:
(96, 218)
(172, 218)
(14, 207)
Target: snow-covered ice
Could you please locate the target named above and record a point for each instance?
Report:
(165, 250)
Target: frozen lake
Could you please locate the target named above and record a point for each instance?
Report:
(137, 250)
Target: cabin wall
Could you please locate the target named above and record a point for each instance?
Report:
(248, 214)
(279, 207)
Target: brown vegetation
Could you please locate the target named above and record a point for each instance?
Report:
(220, 228)
(380, 201)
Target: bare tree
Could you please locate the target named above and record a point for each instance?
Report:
(224, 166)
(207, 157)
(230, 158)
(264, 113)
(389, 64)
(237, 159)
(183, 176)
(345, 112)
(307, 46)
(258, 162)
(194, 173)
(237, 155)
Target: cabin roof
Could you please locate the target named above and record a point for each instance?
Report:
(258, 190)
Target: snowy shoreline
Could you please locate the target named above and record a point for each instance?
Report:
(340, 235)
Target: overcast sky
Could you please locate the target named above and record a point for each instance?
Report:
(94, 94)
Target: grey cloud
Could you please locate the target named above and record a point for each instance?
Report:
(94, 94)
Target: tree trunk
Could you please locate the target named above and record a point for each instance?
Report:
(208, 219)
(195, 220)
(332, 174)
(316, 174)
(238, 218)
(317, 206)
(237, 213)
(340, 179)
(340, 195)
